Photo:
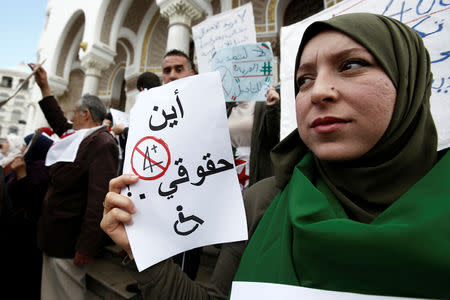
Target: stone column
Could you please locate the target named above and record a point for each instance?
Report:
(225, 5)
(93, 66)
(181, 14)
(94, 62)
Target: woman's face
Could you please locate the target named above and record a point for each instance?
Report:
(345, 100)
(5, 147)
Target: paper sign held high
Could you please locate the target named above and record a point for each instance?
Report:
(188, 194)
(246, 71)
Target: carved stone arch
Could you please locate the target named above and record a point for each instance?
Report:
(68, 45)
(108, 83)
(128, 46)
(129, 15)
(154, 46)
(107, 18)
(118, 96)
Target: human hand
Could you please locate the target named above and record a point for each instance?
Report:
(117, 212)
(19, 166)
(272, 97)
(41, 79)
(118, 129)
(81, 259)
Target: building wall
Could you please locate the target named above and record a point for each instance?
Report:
(107, 42)
(13, 114)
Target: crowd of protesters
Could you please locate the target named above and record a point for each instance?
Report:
(52, 205)
(355, 199)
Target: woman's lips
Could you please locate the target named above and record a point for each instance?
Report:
(328, 124)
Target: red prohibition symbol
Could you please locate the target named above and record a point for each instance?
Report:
(150, 158)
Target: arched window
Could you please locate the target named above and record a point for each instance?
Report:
(6, 82)
(19, 102)
(299, 10)
(25, 86)
(13, 129)
(16, 115)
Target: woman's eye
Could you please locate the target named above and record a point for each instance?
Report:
(354, 64)
(302, 80)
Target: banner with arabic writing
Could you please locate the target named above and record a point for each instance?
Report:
(188, 194)
(246, 71)
(227, 29)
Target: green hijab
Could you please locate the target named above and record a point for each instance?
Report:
(375, 225)
(368, 185)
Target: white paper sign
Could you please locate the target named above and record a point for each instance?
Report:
(245, 71)
(230, 28)
(242, 290)
(120, 117)
(188, 194)
(430, 18)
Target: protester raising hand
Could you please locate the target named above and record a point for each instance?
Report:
(19, 166)
(41, 79)
(272, 96)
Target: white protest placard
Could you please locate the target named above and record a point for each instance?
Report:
(242, 290)
(430, 18)
(188, 194)
(230, 28)
(245, 71)
(120, 117)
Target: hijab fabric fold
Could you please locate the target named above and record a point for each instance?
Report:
(375, 225)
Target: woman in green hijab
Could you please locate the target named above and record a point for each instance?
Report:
(364, 203)
(360, 199)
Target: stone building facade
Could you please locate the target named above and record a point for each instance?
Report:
(101, 46)
(14, 113)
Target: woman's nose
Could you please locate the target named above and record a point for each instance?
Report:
(324, 88)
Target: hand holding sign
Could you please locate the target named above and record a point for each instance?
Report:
(188, 194)
(118, 210)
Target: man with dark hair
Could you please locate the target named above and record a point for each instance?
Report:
(69, 231)
(147, 80)
(175, 65)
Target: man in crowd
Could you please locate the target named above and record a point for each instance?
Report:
(69, 231)
(175, 65)
(145, 81)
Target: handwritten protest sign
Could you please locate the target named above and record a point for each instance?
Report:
(267, 291)
(429, 18)
(120, 117)
(188, 194)
(231, 28)
(245, 71)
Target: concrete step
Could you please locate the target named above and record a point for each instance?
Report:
(107, 279)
